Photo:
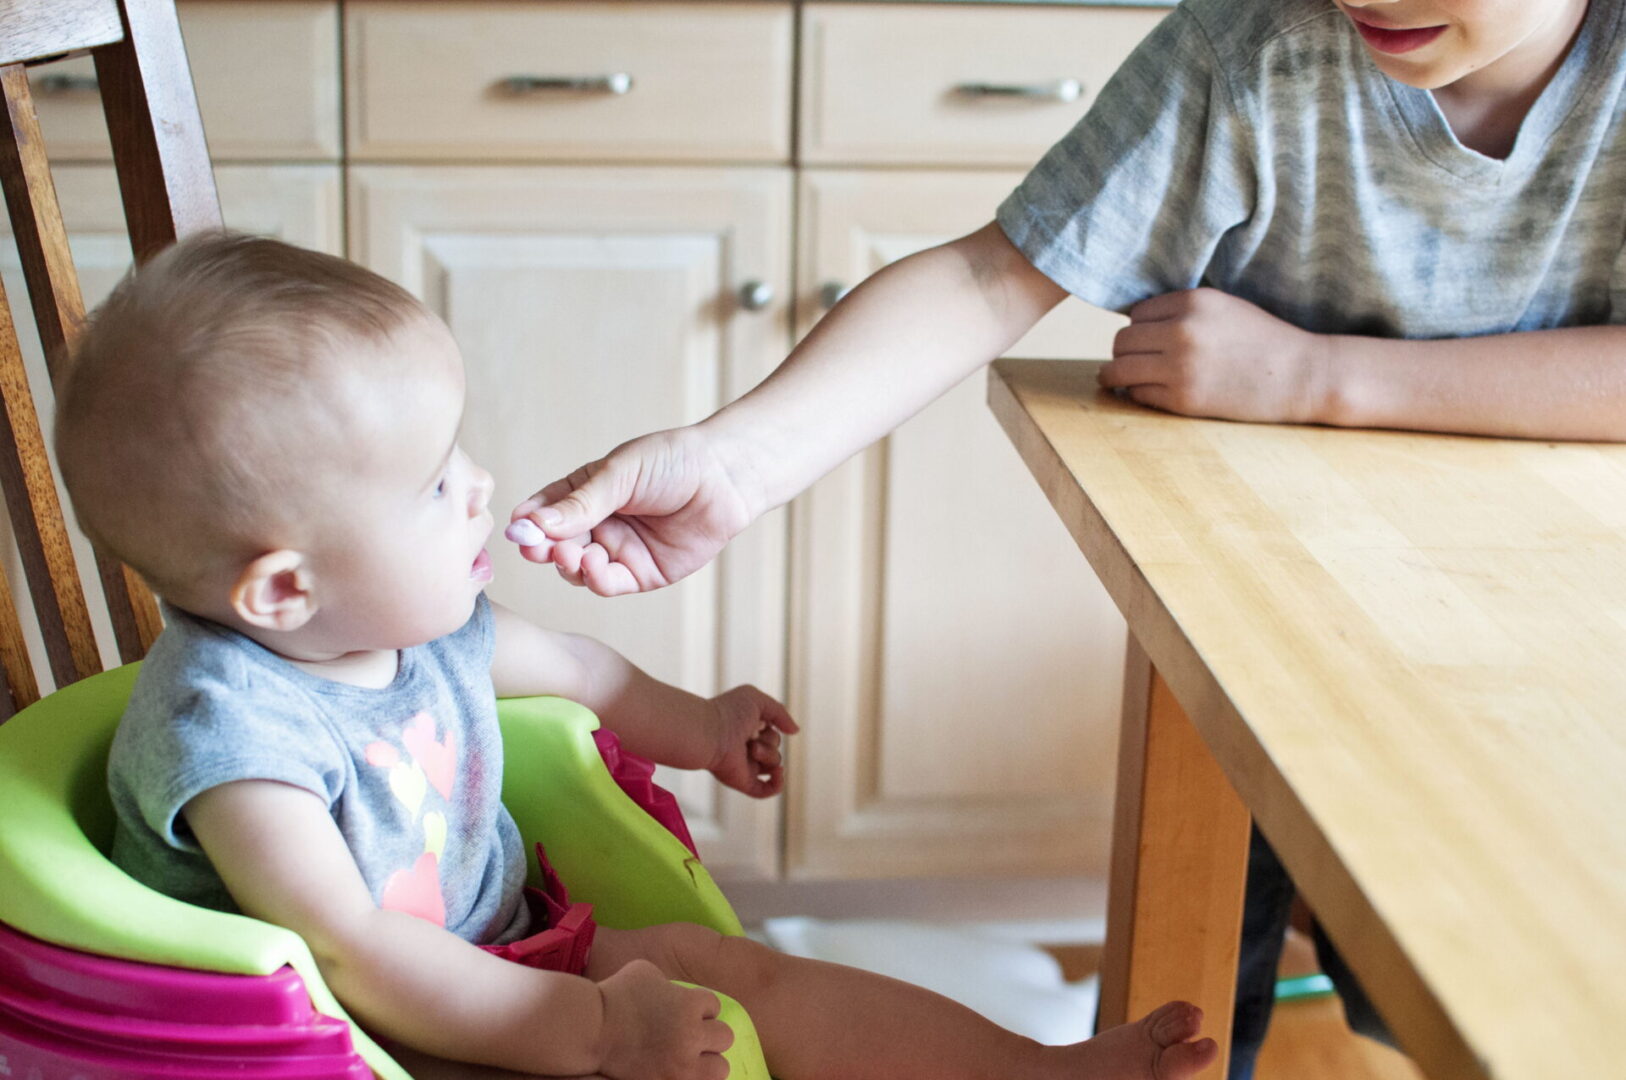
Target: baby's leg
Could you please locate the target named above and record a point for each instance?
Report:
(821, 1021)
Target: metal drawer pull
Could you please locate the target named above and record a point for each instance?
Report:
(756, 295)
(831, 292)
(618, 83)
(1062, 90)
(66, 84)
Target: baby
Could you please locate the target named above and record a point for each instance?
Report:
(269, 436)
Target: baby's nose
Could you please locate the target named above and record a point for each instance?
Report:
(480, 492)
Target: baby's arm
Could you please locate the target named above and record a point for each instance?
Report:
(284, 860)
(1205, 353)
(735, 734)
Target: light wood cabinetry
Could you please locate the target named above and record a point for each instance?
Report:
(977, 85)
(570, 81)
(628, 251)
(267, 78)
(961, 667)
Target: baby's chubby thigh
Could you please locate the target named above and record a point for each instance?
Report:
(687, 952)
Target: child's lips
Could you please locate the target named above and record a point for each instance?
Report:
(1395, 41)
(481, 570)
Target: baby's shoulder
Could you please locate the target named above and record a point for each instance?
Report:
(200, 679)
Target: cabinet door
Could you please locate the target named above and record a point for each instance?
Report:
(956, 664)
(593, 305)
(298, 203)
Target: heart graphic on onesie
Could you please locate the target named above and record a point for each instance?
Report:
(408, 784)
(438, 758)
(434, 833)
(416, 891)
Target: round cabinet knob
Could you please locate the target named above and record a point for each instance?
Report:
(756, 295)
(831, 292)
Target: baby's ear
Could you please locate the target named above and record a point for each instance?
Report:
(274, 592)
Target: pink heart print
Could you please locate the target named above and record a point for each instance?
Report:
(416, 891)
(438, 758)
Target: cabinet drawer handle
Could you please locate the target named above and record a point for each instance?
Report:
(618, 83)
(1063, 90)
(66, 84)
(756, 295)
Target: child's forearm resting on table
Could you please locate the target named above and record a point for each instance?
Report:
(1544, 384)
(898, 341)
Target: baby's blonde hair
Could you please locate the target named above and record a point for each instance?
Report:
(203, 393)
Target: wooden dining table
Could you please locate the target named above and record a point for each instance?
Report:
(1404, 656)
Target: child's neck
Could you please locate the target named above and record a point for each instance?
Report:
(1486, 108)
(373, 669)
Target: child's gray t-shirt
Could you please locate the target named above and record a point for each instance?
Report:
(412, 772)
(1253, 146)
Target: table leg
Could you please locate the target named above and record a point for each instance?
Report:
(1179, 866)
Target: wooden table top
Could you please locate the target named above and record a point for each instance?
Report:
(1408, 653)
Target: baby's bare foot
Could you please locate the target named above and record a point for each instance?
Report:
(1162, 1045)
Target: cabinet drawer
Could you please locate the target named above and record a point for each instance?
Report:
(953, 84)
(267, 78)
(657, 81)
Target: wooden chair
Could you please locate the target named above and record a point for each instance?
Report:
(168, 191)
(98, 974)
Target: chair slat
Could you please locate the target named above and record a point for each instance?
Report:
(42, 241)
(22, 688)
(36, 520)
(59, 312)
(159, 152)
(29, 31)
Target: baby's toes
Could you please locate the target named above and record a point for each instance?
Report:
(1185, 1059)
(1174, 1022)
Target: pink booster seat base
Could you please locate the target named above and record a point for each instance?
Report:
(68, 1014)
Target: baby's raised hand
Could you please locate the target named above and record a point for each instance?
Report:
(747, 758)
(657, 1030)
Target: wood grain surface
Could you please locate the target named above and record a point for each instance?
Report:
(1405, 651)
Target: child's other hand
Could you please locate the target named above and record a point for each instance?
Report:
(748, 723)
(657, 1030)
(1203, 352)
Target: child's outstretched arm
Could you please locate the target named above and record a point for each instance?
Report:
(284, 861)
(661, 506)
(735, 735)
(1205, 353)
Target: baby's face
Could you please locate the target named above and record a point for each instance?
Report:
(405, 558)
(1434, 43)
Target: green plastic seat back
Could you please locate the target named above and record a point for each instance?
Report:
(57, 884)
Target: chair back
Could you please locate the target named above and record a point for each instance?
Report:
(168, 191)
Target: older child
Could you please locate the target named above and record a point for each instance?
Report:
(270, 437)
(1369, 213)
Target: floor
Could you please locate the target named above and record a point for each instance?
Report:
(1308, 1039)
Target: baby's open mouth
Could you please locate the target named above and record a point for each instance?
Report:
(481, 570)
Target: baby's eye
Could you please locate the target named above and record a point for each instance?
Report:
(440, 488)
